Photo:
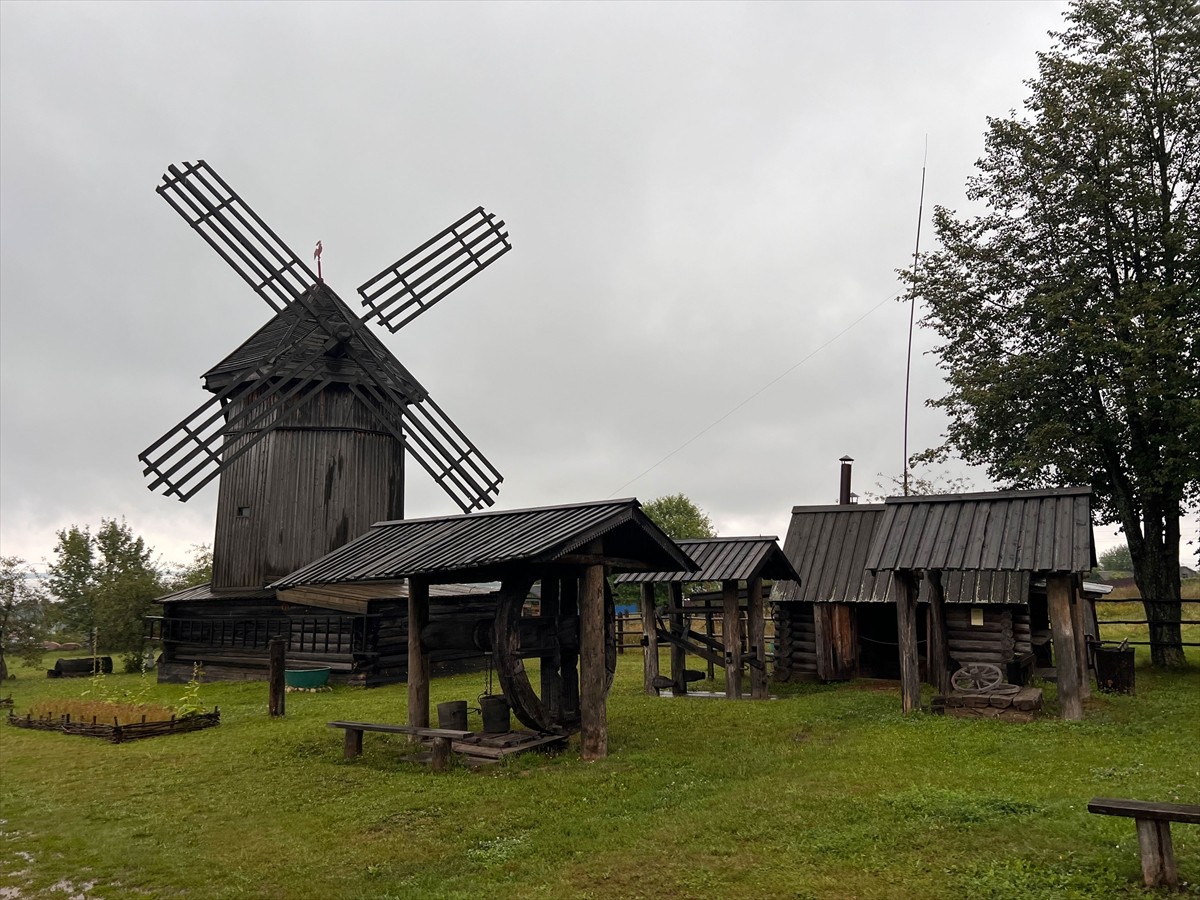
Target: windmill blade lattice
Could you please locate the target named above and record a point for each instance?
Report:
(418, 280)
(236, 232)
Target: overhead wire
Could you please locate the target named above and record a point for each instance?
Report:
(735, 408)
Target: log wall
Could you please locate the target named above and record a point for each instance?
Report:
(795, 642)
(1003, 636)
(304, 490)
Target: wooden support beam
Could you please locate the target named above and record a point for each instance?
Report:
(418, 659)
(593, 682)
(551, 666)
(822, 629)
(649, 641)
(905, 589)
(709, 633)
(731, 636)
(1079, 624)
(678, 654)
(939, 659)
(1066, 663)
(277, 650)
(756, 630)
(568, 604)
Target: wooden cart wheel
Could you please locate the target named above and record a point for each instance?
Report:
(555, 642)
(977, 678)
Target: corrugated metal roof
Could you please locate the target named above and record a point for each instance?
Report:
(1014, 531)
(484, 545)
(725, 559)
(827, 546)
(980, 588)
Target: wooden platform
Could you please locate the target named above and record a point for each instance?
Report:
(475, 748)
(1022, 706)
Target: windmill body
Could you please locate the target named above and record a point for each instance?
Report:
(308, 429)
(321, 477)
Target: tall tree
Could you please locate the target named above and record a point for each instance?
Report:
(1069, 311)
(22, 612)
(71, 579)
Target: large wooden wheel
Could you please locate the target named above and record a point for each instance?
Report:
(977, 678)
(554, 640)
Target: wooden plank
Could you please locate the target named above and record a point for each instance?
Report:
(551, 667)
(1058, 597)
(569, 672)
(649, 642)
(418, 659)
(1080, 629)
(1188, 813)
(593, 684)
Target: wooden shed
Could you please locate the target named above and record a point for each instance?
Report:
(740, 565)
(568, 549)
(913, 586)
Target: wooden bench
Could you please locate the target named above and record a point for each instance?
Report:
(1154, 833)
(441, 739)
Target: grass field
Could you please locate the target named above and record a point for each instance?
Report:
(827, 791)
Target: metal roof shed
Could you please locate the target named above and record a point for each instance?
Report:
(729, 560)
(567, 547)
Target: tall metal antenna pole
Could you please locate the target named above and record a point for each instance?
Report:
(912, 311)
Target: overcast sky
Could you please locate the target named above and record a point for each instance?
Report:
(701, 197)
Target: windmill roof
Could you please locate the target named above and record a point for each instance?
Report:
(299, 331)
(725, 559)
(491, 545)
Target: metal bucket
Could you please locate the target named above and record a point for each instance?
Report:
(495, 714)
(453, 715)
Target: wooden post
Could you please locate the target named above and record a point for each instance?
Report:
(678, 654)
(731, 637)
(551, 665)
(277, 648)
(1158, 853)
(756, 629)
(708, 630)
(649, 641)
(939, 656)
(592, 671)
(823, 636)
(1079, 624)
(1062, 629)
(568, 604)
(904, 586)
(418, 659)
(440, 758)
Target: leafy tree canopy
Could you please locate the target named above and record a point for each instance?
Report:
(193, 573)
(1069, 310)
(1116, 559)
(679, 517)
(22, 612)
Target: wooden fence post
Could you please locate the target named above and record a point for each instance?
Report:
(277, 648)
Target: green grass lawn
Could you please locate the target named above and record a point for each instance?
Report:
(827, 791)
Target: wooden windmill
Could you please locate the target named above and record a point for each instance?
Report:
(311, 417)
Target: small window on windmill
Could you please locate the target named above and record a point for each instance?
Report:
(243, 512)
(976, 615)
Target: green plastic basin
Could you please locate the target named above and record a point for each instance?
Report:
(306, 678)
